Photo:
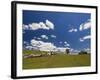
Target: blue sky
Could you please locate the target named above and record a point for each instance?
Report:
(64, 29)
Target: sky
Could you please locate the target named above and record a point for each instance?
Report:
(56, 30)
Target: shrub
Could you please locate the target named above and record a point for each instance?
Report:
(67, 51)
(82, 52)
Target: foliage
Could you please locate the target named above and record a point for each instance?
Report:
(67, 51)
(83, 52)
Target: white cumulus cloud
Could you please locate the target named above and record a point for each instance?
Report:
(85, 25)
(49, 24)
(25, 43)
(44, 36)
(34, 26)
(61, 49)
(43, 46)
(53, 36)
(60, 42)
(87, 37)
(25, 27)
(81, 39)
(29, 47)
(46, 46)
(84, 38)
(41, 25)
(72, 30)
(66, 44)
(39, 38)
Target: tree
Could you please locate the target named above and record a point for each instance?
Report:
(82, 52)
(67, 51)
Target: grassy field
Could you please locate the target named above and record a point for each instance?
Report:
(55, 61)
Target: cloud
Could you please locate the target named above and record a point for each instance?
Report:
(66, 44)
(25, 27)
(85, 25)
(60, 49)
(81, 39)
(44, 36)
(85, 38)
(29, 47)
(53, 36)
(36, 43)
(43, 46)
(46, 46)
(39, 38)
(41, 25)
(36, 26)
(25, 43)
(49, 24)
(72, 30)
(60, 42)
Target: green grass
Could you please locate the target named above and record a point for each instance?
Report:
(55, 61)
(33, 52)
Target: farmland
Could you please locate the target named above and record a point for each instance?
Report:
(54, 61)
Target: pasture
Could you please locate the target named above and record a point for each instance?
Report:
(54, 61)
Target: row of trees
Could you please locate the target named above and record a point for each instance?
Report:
(81, 52)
